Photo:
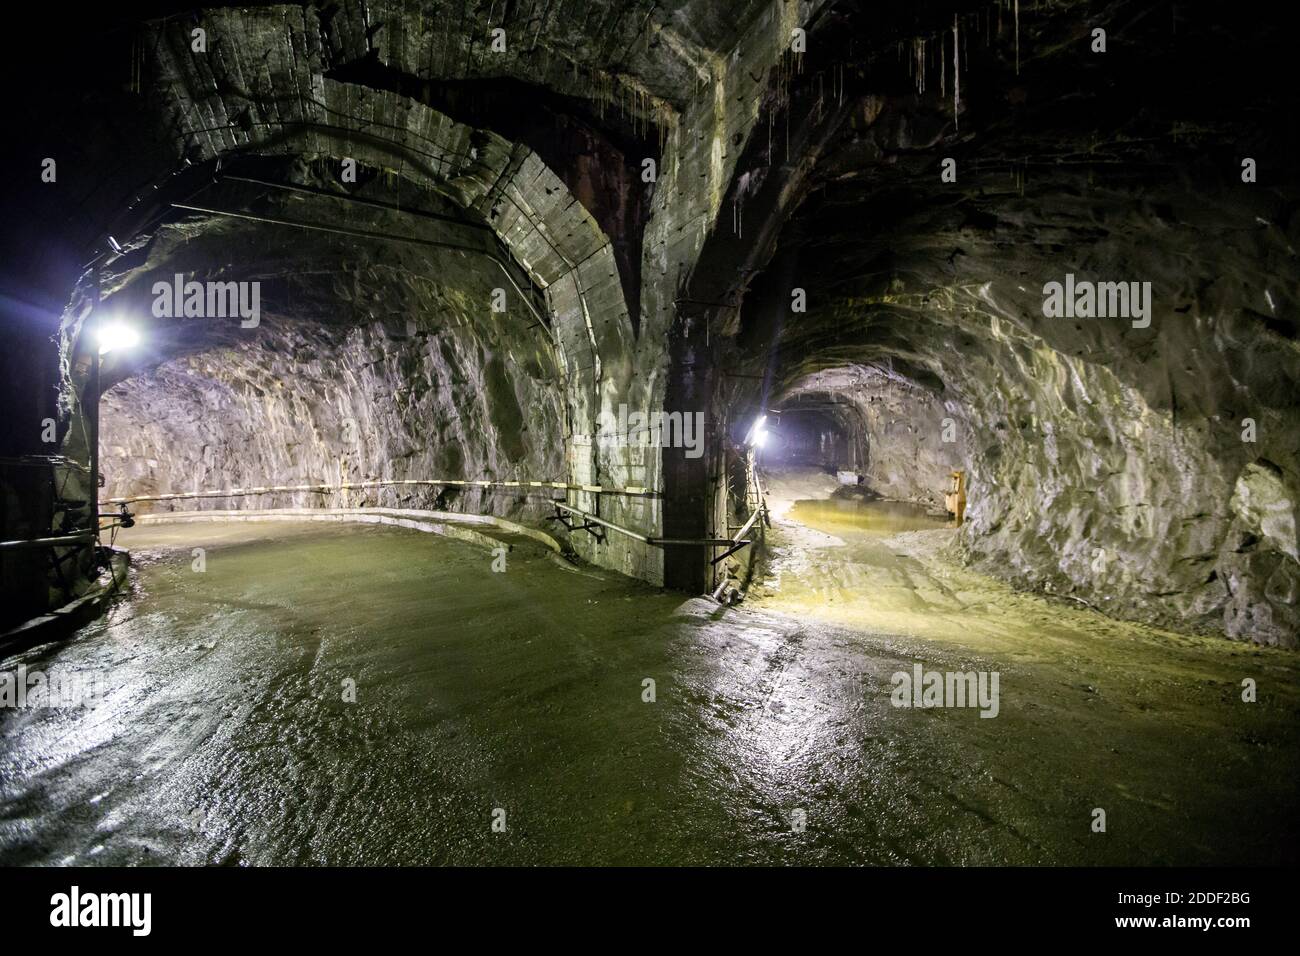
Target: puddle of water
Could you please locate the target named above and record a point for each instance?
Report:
(837, 515)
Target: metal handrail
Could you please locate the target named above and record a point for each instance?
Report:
(578, 512)
(645, 539)
(760, 512)
(60, 541)
(43, 461)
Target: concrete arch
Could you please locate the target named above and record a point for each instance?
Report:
(212, 109)
(217, 105)
(279, 82)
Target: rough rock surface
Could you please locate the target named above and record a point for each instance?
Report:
(1149, 465)
(1150, 469)
(387, 367)
(905, 440)
(358, 81)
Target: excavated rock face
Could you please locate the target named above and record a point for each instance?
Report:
(899, 437)
(367, 362)
(1147, 463)
(538, 138)
(920, 174)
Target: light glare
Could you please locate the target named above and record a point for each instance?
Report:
(115, 335)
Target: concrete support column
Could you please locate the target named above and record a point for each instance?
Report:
(687, 488)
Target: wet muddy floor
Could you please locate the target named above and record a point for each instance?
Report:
(228, 731)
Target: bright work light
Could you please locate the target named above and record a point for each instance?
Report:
(115, 335)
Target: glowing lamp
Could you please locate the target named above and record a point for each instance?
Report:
(115, 335)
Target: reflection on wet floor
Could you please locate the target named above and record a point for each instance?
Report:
(866, 516)
(226, 737)
(1157, 715)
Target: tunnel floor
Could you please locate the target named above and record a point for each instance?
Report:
(223, 737)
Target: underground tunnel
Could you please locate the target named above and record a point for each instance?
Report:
(622, 433)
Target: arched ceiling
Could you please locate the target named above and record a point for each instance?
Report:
(1091, 438)
(222, 110)
(819, 171)
(238, 176)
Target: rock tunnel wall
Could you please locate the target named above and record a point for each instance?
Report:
(1144, 461)
(1081, 483)
(906, 439)
(379, 366)
(265, 87)
(1146, 481)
